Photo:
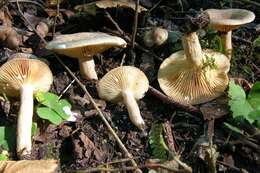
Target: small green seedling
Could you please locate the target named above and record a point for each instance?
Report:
(53, 109)
(245, 107)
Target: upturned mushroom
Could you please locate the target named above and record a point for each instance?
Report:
(226, 20)
(24, 77)
(125, 84)
(194, 76)
(84, 46)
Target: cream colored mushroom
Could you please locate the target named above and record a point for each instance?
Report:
(24, 77)
(125, 84)
(226, 20)
(84, 46)
(189, 77)
(155, 37)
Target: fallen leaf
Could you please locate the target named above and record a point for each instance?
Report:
(29, 166)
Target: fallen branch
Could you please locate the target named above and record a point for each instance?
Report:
(167, 100)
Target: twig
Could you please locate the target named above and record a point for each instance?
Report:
(29, 1)
(135, 24)
(111, 130)
(250, 2)
(151, 9)
(169, 136)
(114, 23)
(149, 52)
(167, 100)
(66, 88)
(56, 17)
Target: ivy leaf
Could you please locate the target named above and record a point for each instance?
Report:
(7, 137)
(157, 143)
(49, 114)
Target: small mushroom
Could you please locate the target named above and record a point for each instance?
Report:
(194, 76)
(155, 37)
(24, 77)
(84, 46)
(226, 20)
(125, 84)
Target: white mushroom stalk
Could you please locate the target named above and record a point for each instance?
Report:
(24, 124)
(133, 109)
(87, 69)
(24, 77)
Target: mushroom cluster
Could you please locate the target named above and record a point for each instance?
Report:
(23, 77)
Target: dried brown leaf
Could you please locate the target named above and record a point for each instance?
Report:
(111, 4)
(29, 166)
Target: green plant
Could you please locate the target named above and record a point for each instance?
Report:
(245, 107)
(157, 143)
(52, 108)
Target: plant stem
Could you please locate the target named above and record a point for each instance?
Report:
(133, 109)
(24, 124)
(87, 69)
(226, 38)
(192, 48)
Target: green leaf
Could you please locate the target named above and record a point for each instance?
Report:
(248, 108)
(47, 99)
(256, 42)
(3, 157)
(7, 137)
(157, 143)
(254, 96)
(52, 101)
(49, 114)
(34, 128)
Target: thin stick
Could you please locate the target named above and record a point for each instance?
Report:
(168, 100)
(135, 24)
(66, 88)
(120, 143)
(250, 2)
(56, 17)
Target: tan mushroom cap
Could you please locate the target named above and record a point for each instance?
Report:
(186, 84)
(84, 44)
(19, 71)
(228, 19)
(124, 78)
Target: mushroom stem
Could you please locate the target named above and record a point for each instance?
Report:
(133, 109)
(226, 38)
(24, 124)
(87, 68)
(192, 48)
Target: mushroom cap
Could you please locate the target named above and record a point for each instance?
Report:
(187, 84)
(21, 71)
(120, 79)
(228, 19)
(84, 44)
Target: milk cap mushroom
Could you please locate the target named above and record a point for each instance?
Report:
(187, 76)
(84, 46)
(155, 37)
(226, 20)
(24, 77)
(125, 84)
